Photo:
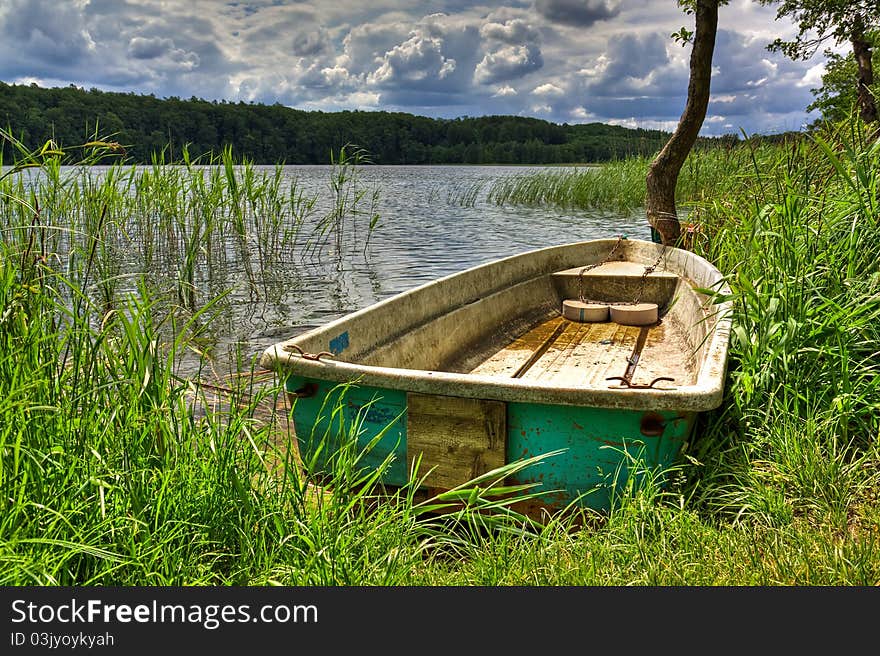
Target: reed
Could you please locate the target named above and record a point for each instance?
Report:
(177, 223)
(804, 385)
(112, 475)
(620, 185)
(116, 469)
(347, 209)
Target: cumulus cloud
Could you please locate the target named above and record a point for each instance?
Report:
(364, 46)
(331, 78)
(548, 90)
(512, 50)
(416, 59)
(514, 31)
(508, 63)
(813, 76)
(431, 64)
(505, 90)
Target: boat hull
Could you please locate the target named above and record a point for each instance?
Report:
(479, 370)
(595, 452)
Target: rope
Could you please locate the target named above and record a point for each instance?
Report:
(293, 348)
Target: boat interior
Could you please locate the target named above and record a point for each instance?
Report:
(519, 331)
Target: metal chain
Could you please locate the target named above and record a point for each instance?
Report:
(588, 267)
(648, 271)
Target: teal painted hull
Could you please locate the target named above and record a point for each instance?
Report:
(603, 450)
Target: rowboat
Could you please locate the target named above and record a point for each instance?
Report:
(598, 355)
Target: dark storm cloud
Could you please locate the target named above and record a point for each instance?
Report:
(638, 66)
(750, 80)
(44, 31)
(651, 108)
(580, 13)
(744, 63)
(310, 43)
(633, 56)
(640, 80)
(422, 98)
(149, 48)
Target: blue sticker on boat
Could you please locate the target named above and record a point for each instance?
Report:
(339, 343)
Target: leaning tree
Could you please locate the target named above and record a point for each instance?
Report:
(662, 177)
(835, 21)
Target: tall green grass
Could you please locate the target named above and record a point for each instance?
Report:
(803, 429)
(781, 485)
(112, 473)
(620, 184)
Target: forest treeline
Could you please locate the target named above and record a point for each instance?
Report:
(269, 134)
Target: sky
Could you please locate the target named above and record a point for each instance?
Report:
(566, 61)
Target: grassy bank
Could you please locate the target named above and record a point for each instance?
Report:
(113, 474)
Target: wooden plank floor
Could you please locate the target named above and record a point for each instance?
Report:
(569, 353)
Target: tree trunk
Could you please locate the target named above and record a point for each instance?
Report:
(663, 173)
(865, 79)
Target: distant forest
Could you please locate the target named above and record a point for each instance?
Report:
(151, 127)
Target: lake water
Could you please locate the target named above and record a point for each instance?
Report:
(433, 221)
(425, 231)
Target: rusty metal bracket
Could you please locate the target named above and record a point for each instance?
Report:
(293, 348)
(625, 383)
(654, 424)
(308, 390)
